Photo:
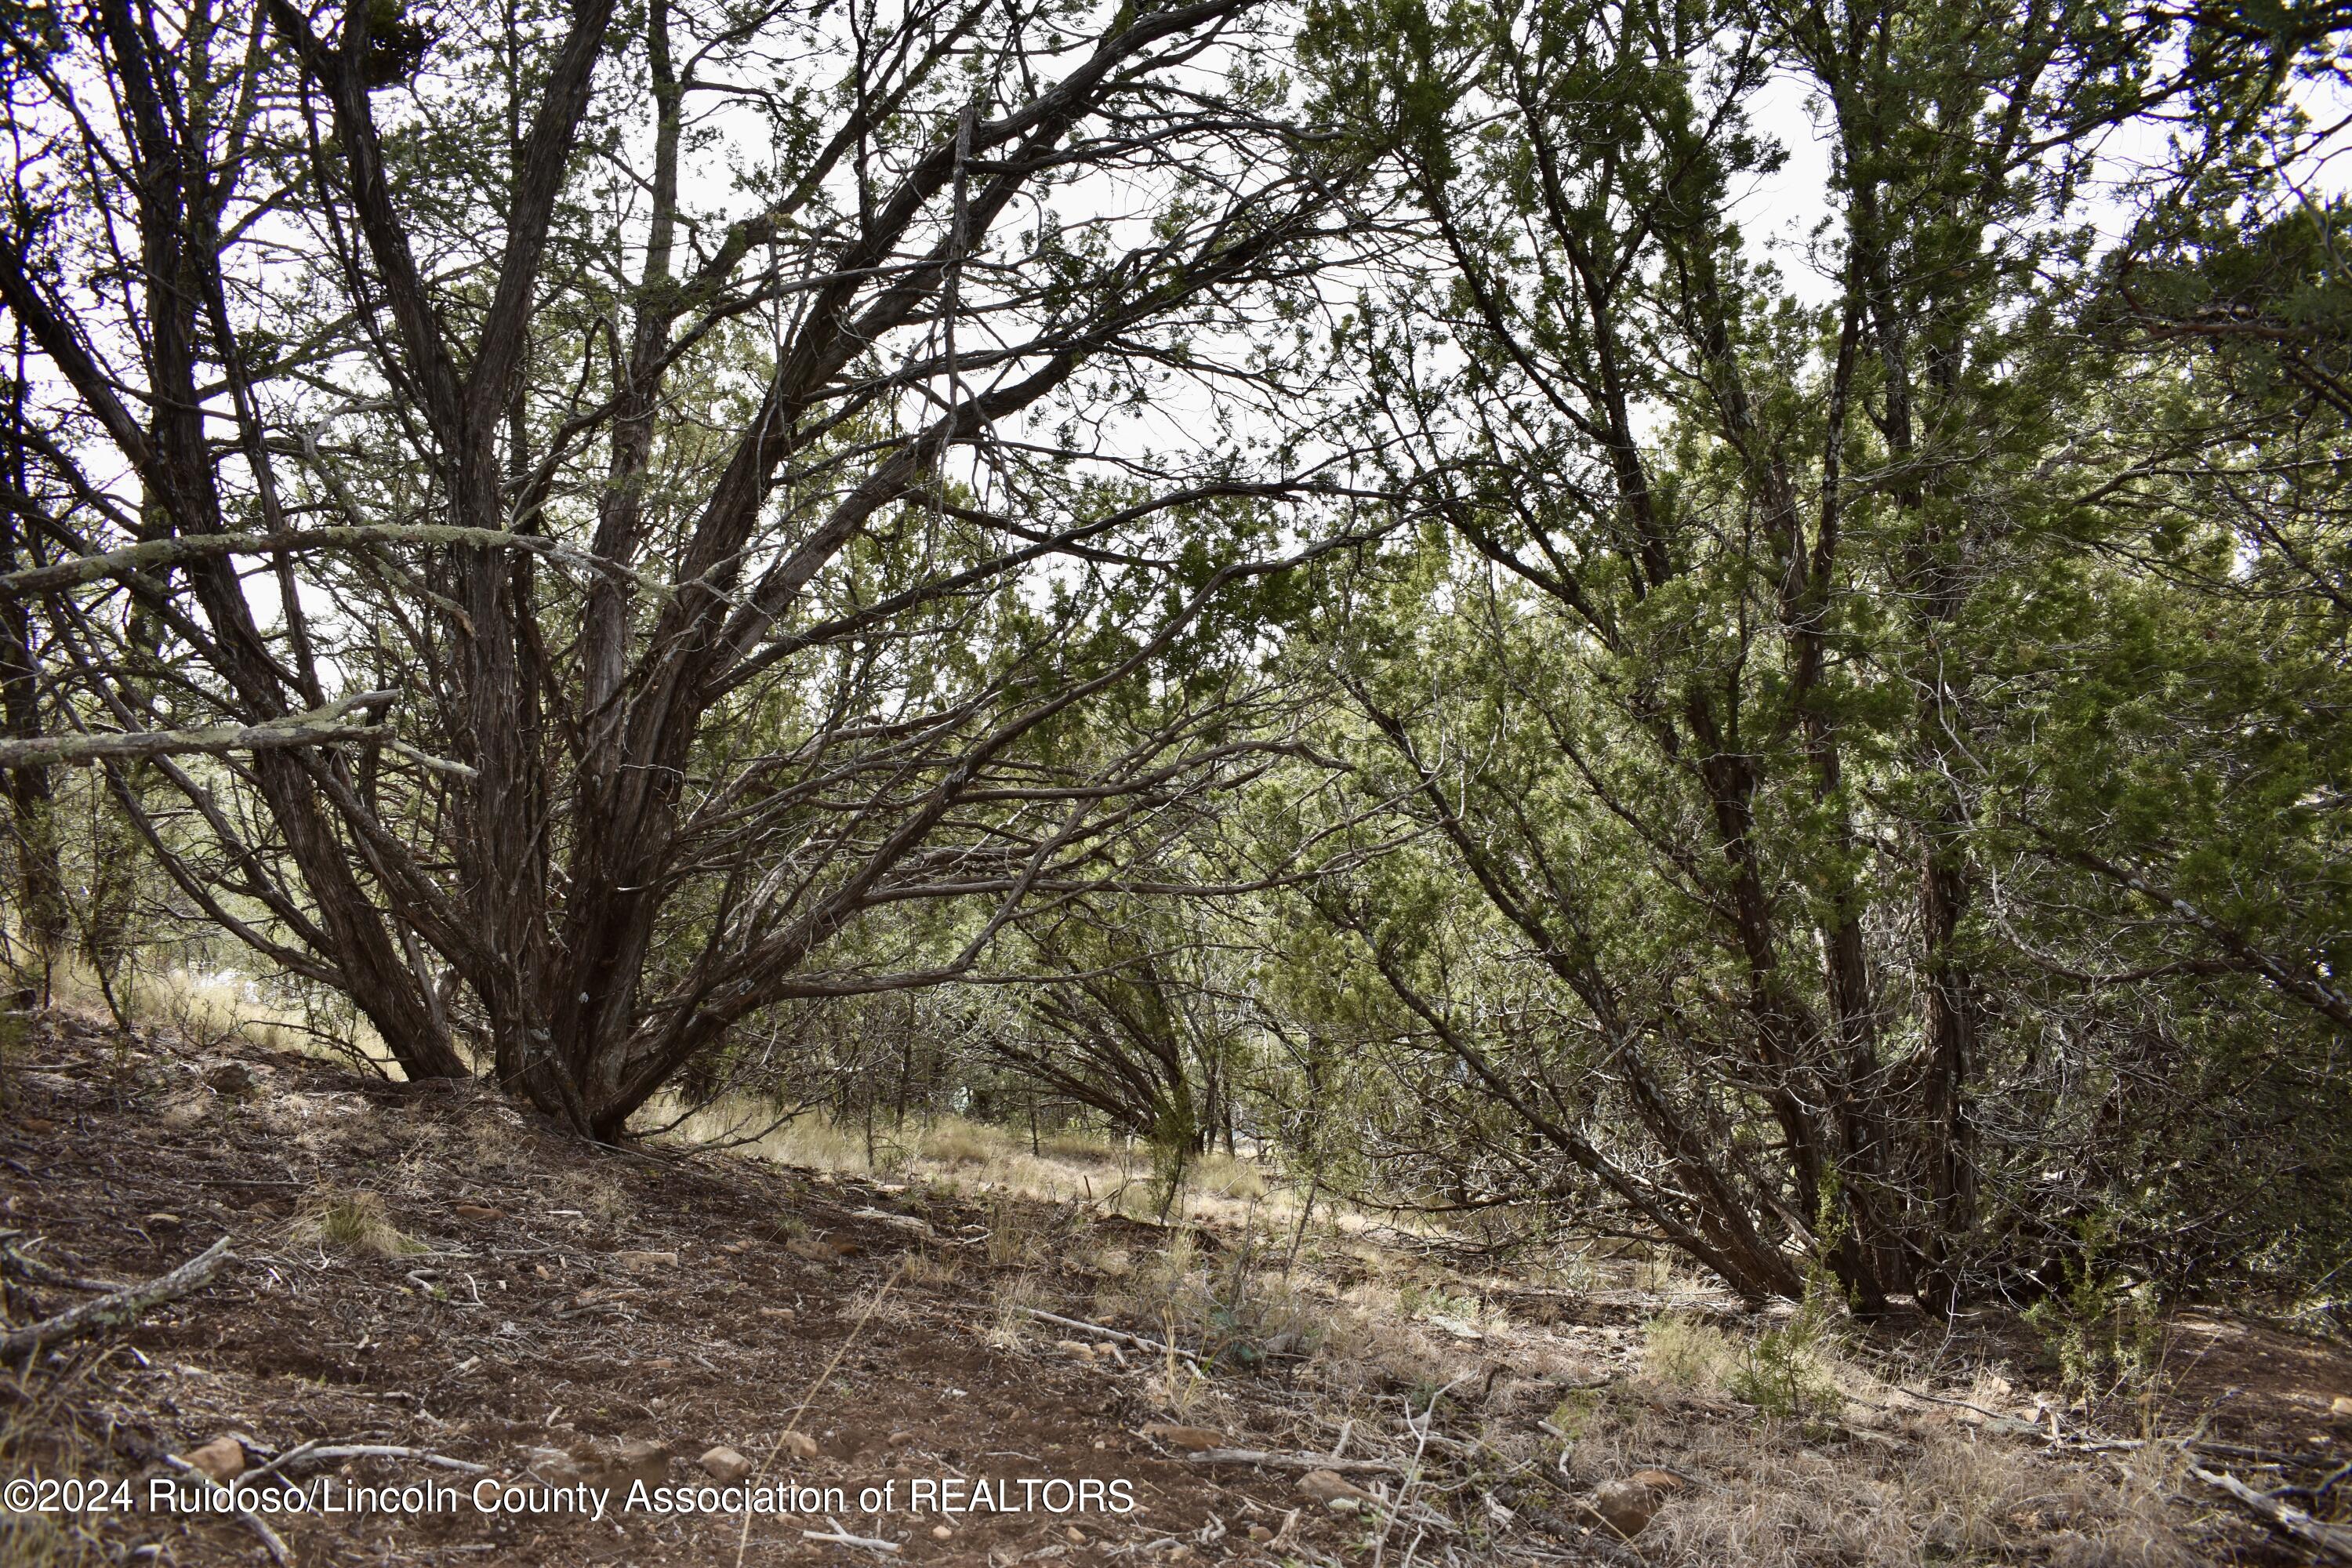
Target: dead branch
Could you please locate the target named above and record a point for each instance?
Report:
(315, 1453)
(117, 1310)
(150, 555)
(33, 1271)
(837, 1536)
(2333, 1540)
(1267, 1460)
(1121, 1335)
(320, 726)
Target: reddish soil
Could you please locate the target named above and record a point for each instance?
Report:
(535, 1327)
(545, 1311)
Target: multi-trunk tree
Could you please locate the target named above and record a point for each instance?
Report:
(679, 457)
(1726, 659)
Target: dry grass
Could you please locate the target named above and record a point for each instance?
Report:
(1240, 1314)
(1688, 1353)
(34, 1540)
(1017, 1234)
(1010, 1302)
(1936, 1493)
(957, 1154)
(956, 1142)
(929, 1270)
(1796, 1460)
(599, 1195)
(355, 1221)
(214, 1010)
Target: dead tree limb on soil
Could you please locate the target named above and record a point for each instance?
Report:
(2332, 1540)
(122, 1308)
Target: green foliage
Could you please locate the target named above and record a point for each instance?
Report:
(1784, 1371)
(2102, 1326)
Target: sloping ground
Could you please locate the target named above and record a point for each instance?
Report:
(428, 1269)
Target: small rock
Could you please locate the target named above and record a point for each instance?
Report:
(1260, 1534)
(223, 1458)
(231, 1077)
(908, 1223)
(647, 1262)
(1077, 1537)
(555, 1466)
(638, 1460)
(941, 1532)
(2341, 1406)
(1191, 1439)
(1624, 1506)
(642, 1460)
(479, 1211)
(800, 1446)
(724, 1465)
(1333, 1491)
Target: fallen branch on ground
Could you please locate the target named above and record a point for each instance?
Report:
(1266, 1460)
(1119, 1335)
(316, 1453)
(2332, 1539)
(124, 1307)
(33, 1271)
(839, 1537)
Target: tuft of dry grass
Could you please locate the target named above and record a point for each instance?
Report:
(600, 1196)
(921, 1268)
(1688, 1353)
(34, 1540)
(1220, 1175)
(1010, 1301)
(1934, 1494)
(956, 1142)
(1016, 1235)
(356, 1221)
(1239, 1313)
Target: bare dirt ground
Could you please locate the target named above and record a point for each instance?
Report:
(428, 1269)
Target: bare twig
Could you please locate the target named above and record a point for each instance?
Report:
(1427, 1423)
